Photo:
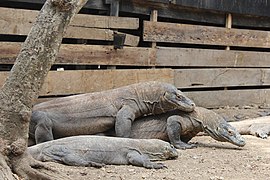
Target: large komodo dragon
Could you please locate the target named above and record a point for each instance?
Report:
(99, 150)
(179, 127)
(97, 112)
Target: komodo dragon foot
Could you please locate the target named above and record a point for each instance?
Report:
(261, 130)
(183, 145)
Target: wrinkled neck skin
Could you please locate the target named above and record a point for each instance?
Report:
(162, 106)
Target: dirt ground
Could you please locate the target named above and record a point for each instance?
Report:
(211, 160)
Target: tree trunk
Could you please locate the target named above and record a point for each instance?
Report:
(22, 86)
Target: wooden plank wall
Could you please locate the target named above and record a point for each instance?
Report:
(84, 81)
(215, 65)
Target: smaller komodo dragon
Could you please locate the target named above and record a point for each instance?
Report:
(97, 151)
(179, 127)
(259, 127)
(93, 113)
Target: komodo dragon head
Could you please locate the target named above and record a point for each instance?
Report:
(218, 128)
(175, 99)
(158, 150)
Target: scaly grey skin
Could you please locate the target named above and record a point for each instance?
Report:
(179, 127)
(92, 113)
(259, 127)
(100, 150)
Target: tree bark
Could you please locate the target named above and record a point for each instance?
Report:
(22, 87)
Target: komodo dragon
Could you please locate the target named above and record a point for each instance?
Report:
(179, 127)
(97, 151)
(259, 127)
(92, 113)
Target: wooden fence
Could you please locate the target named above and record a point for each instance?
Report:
(215, 57)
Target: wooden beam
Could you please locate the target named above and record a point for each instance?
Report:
(87, 20)
(221, 77)
(19, 22)
(74, 82)
(22, 16)
(215, 99)
(98, 34)
(85, 55)
(138, 56)
(210, 58)
(194, 34)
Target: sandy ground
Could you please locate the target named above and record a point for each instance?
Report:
(211, 160)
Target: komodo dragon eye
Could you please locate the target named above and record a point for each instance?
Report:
(230, 132)
(179, 96)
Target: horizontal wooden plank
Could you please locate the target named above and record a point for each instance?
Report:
(74, 82)
(221, 77)
(86, 55)
(103, 55)
(210, 58)
(215, 99)
(19, 22)
(110, 22)
(138, 56)
(209, 35)
(80, 20)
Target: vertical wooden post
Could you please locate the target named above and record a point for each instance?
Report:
(114, 11)
(152, 58)
(153, 17)
(228, 25)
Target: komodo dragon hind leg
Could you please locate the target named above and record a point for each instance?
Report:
(124, 119)
(74, 160)
(174, 131)
(43, 130)
(137, 159)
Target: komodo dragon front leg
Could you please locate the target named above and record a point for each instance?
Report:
(174, 129)
(137, 159)
(124, 118)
